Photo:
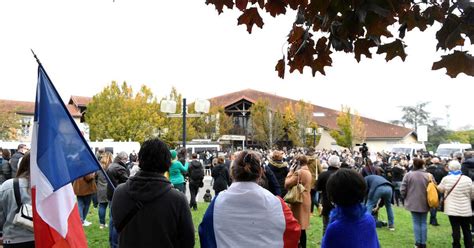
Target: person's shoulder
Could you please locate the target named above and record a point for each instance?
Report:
(8, 184)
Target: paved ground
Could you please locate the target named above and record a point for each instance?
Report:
(202, 191)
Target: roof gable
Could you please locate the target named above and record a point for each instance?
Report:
(374, 128)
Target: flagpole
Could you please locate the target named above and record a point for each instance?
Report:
(82, 137)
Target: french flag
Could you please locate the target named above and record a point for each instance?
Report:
(247, 215)
(59, 155)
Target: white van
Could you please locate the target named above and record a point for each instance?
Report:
(445, 151)
(409, 149)
(114, 147)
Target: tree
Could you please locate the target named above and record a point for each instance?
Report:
(361, 26)
(415, 115)
(297, 118)
(436, 135)
(9, 124)
(351, 129)
(267, 124)
(116, 113)
(212, 124)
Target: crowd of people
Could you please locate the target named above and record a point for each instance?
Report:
(261, 198)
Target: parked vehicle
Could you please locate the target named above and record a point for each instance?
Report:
(445, 151)
(409, 149)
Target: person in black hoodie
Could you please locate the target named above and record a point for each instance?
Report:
(334, 164)
(221, 176)
(467, 169)
(280, 170)
(196, 177)
(147, 212)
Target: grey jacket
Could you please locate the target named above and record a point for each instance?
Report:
(13, 234)
(413, 189)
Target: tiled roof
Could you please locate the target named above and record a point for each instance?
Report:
(374, 129)
(80, 101)
(28, 108)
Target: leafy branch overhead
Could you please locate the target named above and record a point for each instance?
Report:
(324, 26)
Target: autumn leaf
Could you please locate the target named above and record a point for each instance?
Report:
(295, 3)
(434, 13)
(241, 4)
(361, 46)
(377, 26)
(449, 36)
(280, 68)
(220, 4)
(413, 19)
(250, 17)
(275, 7)
(296, 34)
(261, 3)
(323, 59)
(393, 49)
(455, 63)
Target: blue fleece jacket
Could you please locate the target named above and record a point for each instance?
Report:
(350, 227)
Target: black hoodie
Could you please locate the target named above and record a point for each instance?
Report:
(164, 220)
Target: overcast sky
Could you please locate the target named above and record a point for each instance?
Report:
(85, 45)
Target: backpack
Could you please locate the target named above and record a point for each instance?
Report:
(197, 174)
(432, 194)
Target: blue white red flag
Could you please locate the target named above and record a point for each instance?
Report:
(246, 215)
(59, 155)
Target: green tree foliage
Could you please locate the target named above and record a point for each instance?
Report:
(466, 136)
(415, 115)
(267, 124)
(117, 113)
(9, 124)
(351, 129)
(297, 118)
(322, 27)
(213, 124)
(436, 135)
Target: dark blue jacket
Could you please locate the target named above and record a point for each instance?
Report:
(273, 185)
(373, 182)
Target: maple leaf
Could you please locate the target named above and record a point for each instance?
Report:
(241, 4)
(361, 46)
(295, 3)
(220, 4)
(275, 7)
(296, 34)
(280, 68)
(449, 35)
(304, 57)
(393, 49)
(414, 19)
(323, 59)
(455, 63)
(377, 26)
(250, 17)
(434, 13)
(261, 3)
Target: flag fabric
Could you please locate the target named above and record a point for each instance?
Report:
(59, 155)
(247, 215)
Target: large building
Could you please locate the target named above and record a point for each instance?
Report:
(26, 111)
(379, 135)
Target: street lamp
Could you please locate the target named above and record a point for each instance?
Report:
(169, 107)
(314, 131)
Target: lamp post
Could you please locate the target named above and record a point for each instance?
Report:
(314, 131)
(169, 107)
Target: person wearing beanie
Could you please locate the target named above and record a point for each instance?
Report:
(333, 165)
(457, 205)
(146, 210)
(279, 168)
(176, 172)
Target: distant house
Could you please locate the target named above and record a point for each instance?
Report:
(379, 135)
(26, 112)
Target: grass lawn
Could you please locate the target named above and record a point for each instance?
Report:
(402, 236)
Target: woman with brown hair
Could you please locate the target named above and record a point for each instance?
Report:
(16, 235)
(413, 190)
(247, 215)
(299, 173)
(105, 160)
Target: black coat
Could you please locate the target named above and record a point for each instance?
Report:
(321, 186)
(196, 173)
(280, 175)
(164, 220)
(438, 172)
(221, 177)
(118, 174)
